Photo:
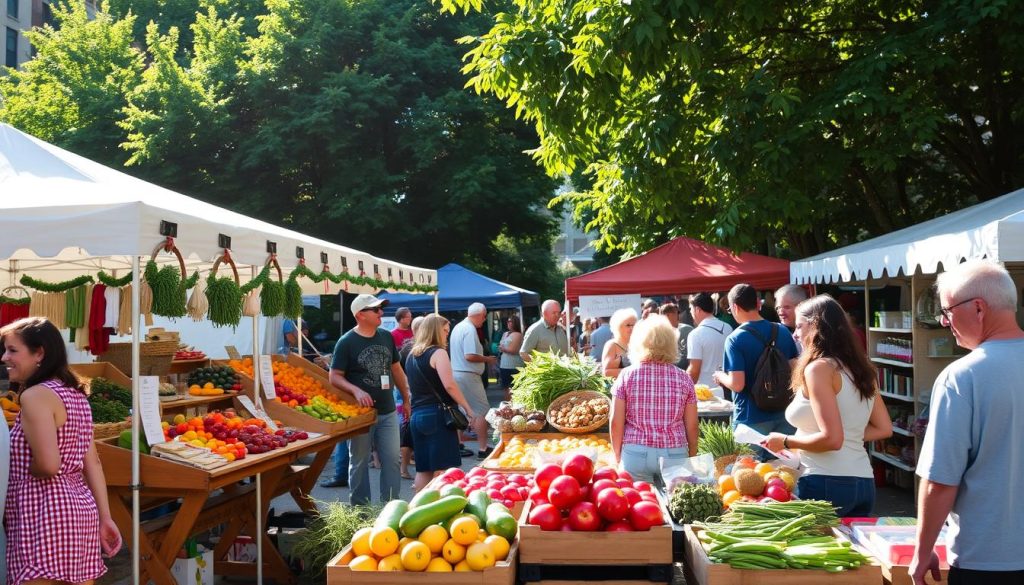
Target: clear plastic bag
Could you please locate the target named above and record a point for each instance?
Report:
(698, 469)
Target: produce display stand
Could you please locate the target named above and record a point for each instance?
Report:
(102, 370)
(202, 508)
(491, 462)
(186, 366)
(643, 556)
(701, 571)
(502, 573)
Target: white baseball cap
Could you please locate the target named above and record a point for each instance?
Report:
(367, 302)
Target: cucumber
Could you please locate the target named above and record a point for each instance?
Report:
(452, 490)
(478, 502)
(392, 514)
(501, 522)
(416, 519)
(424, 497)
(447, 524)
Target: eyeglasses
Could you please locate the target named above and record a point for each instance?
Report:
(374, 309)
(946, 313)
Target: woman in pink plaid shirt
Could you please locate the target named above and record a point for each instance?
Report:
(654, 406)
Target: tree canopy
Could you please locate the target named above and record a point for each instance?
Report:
(789, 127)
(342, 119)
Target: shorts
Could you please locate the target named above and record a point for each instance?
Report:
(435, 446)
(405, 435)
(473, 390)
(505, 377)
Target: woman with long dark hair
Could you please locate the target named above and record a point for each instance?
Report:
(57, 518)
(835, 409)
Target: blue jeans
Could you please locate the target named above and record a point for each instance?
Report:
(386, 436)
(769, 426)
(341, 460)
(854, 496)
(643, 463)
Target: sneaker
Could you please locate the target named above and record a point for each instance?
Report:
(463, 452)
(335, 482)
(483, 454)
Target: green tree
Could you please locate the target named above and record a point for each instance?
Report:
(786, 127)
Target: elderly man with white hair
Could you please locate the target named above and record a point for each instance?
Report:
(548, 334)
(468, 364)
(971, 458)
(786, 300)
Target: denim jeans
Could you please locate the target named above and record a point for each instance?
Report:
(386, 436)
(958, 576)
(769, 426)
(643, 462)
(853, 496)
(341, 460)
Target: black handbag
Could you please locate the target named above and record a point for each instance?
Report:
(454, 418)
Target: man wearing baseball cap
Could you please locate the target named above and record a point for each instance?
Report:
(366, 365)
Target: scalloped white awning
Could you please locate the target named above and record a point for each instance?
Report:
(993, 229)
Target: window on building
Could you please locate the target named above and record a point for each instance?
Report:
(12, 48)
(12, 9)
(578, 244)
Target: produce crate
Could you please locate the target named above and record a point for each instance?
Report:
(102, 370)
(594, 556)
(502, 573)
(678, 530)
(491, 462)
(701, 571)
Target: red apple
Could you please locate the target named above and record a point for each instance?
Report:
(599, 486)
(632, 495)
(454, 473)
(584, 517)
(566, 527)
(644, 515)
(537, 496)
(545, 475)
(612, 504)
(517, 478)
(641, 486)
(776, 481)
(778, 493)
(477, 472)
(564, 492)
(619, 527)
(524, 493)
(623, 474)
(510, 493)
(546, 516)
(586, 493)
(605, 473)
(624, 483)
(579, 466)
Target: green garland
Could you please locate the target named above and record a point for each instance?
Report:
(108, 280)
(261, 279)
(224, 297)
(360, 280)
(6, 300)
(54, 287)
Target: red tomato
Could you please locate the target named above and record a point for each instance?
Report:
(584, 517)
(579, 466)
(612, 504)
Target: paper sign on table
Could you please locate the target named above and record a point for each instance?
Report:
(745, 434)
(256, 411)
(233, 352)
(149, 404)
(267, 377)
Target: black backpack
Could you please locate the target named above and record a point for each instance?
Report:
(770, 388)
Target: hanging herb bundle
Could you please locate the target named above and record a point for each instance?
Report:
(169, 290)
(272, 297)
(224, 297)
(292, 299)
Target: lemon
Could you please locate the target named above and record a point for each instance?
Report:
(453, 552)
(499, 546)
(361, 542)
(363, 563)
(390, 563)
(464, 531)
(481, 535)
(439, 565)
(415, 556)
(479, 556)
(434, 536)
(383, 541)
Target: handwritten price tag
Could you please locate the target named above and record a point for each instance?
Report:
(267, 377)
(149, 404)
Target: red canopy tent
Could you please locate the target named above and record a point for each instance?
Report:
(680, 266)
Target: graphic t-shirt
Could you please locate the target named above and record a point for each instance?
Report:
(365, 360)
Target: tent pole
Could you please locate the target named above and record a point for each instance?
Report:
(436, 301)
(568, 320)
(298, 327)
(522, 320)
(256, 398)
(136, 410)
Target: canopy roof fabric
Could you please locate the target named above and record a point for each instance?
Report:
(62, 215)
(680, 266)
(460, 287)
(993, 229)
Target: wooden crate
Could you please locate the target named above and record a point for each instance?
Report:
(491, 462)
(704, 572)
(536, 546)
(102, 370)
(502, 573)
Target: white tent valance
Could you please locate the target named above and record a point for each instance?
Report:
(993, 229)
(62, 215)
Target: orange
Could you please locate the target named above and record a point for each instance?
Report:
(726, 483)
(403, 543)
(434, 536)
(439, 565)
(390, 563)
(363, 563)
(499, 546)
(729, 497)
(453, 552)
(361, 541)
(464, 531)
(462, 567)
(481, 535)
(415, 556)
(383, 541)
(745, 461)
(479, 556)
(763, 469)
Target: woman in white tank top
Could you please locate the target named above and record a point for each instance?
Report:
(835, 409)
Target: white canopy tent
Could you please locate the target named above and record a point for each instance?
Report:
(62, 216)
(993, 229)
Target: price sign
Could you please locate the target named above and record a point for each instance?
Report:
(267, 377)
(149, 404)
(257, 412)
(233, 352)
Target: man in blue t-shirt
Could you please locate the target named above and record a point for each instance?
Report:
(742, 350)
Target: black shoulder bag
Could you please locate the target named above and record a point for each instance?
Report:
(454, 418)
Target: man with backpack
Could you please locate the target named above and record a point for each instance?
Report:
(759, 356)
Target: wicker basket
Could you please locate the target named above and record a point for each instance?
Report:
(154, 357)
(585, 394)
(107, 430)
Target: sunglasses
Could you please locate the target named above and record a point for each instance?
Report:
(374, 309)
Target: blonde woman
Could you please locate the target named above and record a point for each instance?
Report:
(429, 369)
(615, 355)
(654, 405)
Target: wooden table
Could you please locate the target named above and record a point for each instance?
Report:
(212, 498)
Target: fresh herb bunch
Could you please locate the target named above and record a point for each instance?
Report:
(107, 390)
(169, 292)
(548, 376)
(272, 297)
(224, 298)
(332, 531)
(292, 299)
(718, 440)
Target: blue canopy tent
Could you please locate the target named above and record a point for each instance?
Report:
(459, 287)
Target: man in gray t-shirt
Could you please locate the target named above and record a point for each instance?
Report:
(972, 458)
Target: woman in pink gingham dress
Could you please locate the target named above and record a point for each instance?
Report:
(57, 525)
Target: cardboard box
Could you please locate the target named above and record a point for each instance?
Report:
(194, 571)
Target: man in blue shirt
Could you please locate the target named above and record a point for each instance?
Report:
(742, 350)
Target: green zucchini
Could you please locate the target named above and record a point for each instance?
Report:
(478, 502)
(392, 514)
(452, 490)
(501, 522)
(416, 519)
(424, 497)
